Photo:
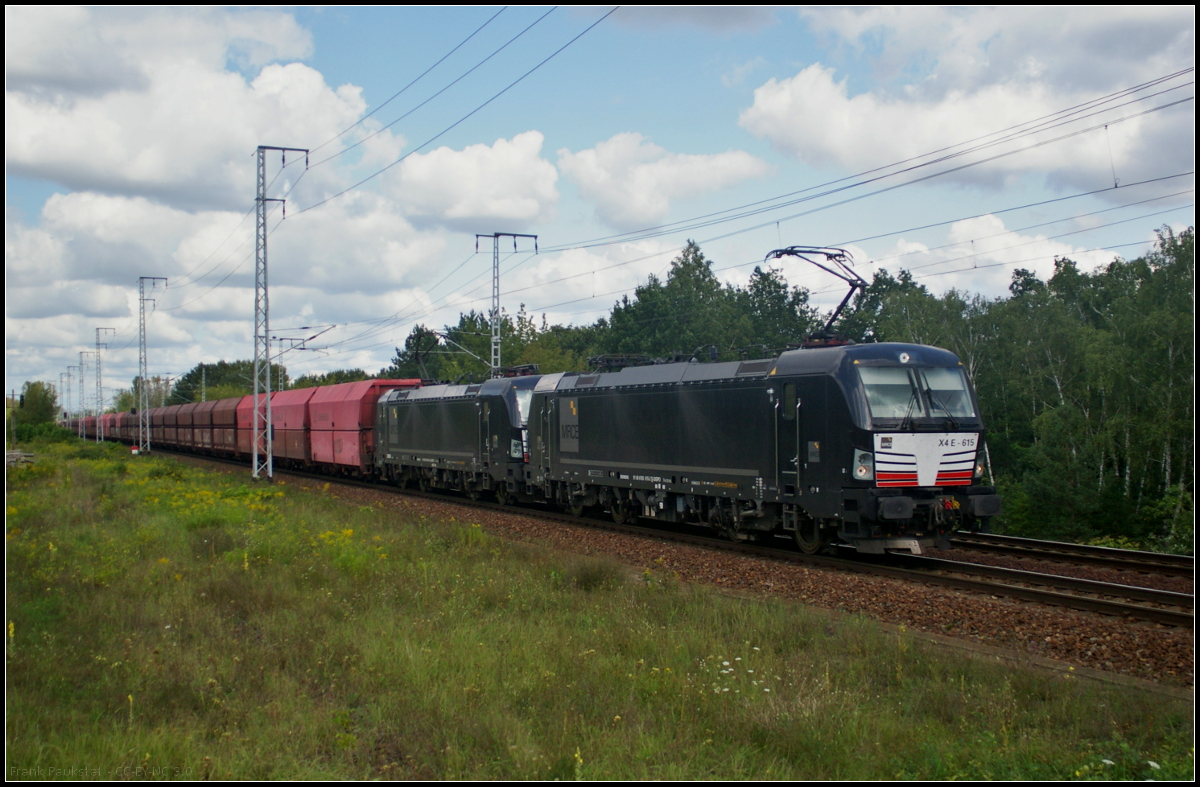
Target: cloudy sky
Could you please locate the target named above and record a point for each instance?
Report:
(958, 144)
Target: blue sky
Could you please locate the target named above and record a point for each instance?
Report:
(130, 136)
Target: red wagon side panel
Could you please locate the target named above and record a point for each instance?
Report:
(158, 425)
(171, 425)
(202, 425)
(245, 422)
(289, 415)
(184, 422)
(343, 418)
(224, 419)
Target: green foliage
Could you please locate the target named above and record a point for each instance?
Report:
(222, 380)
(38, 404)
(125, 401)
(171, 622)
(329, 378)
(43, 433)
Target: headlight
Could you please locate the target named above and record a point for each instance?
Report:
(979, 469)
(864, 466)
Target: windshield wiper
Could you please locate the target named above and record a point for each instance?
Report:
(933, 400)
(913, 401)
(949, 416)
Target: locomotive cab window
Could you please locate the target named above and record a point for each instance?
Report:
(891, 392)
(894, 392)
(524, 398)
(947, 390)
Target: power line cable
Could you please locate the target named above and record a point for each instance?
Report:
(458, 122)
(435, 95)
(624, 237)
(878, 260)
(701, 225)
(805, 213)
(398, 93)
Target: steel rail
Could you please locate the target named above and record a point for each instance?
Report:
(1148, 562)
(1116, 590)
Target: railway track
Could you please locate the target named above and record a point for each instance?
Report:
(1123, 559)
(1172, 609)
(1159, 606)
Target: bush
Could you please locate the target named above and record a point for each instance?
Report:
(42, 433)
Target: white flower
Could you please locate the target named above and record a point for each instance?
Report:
(1108, 762)
(1153, 764)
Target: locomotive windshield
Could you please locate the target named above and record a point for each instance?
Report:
(895, 392)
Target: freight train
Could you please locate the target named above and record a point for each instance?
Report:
(877, 446)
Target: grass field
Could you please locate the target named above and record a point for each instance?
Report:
(165, 622)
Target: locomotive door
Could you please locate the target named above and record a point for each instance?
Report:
(485, 431)
(546, 439)
(787, 437)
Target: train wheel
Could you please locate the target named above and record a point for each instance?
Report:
(502, 494)
(423, 483)
(808, 535)
(620, 510)
(577, 509)
(472, 493)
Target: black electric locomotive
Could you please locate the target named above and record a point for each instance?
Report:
(875, 445)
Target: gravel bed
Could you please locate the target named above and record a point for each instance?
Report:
(1067, 569)
(1136, 648)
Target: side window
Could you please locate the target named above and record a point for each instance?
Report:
(789, 402)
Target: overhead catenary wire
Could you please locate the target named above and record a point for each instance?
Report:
(868, 194)
(183, 281)
(675, 315)
(402, 90)
(1014, 131)
(541, 308)
(458, 122)
(591, 272)
(461, 77)
(1022, 126)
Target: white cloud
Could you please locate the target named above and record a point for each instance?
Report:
(79, 268)
(946, 76)
(162, 142)
(873, 129)
(67, 297)
(934, 50)
(57, 49)
(71, 51)
(143, 102)
(472, 189)
(985, 266)
(632, 181)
